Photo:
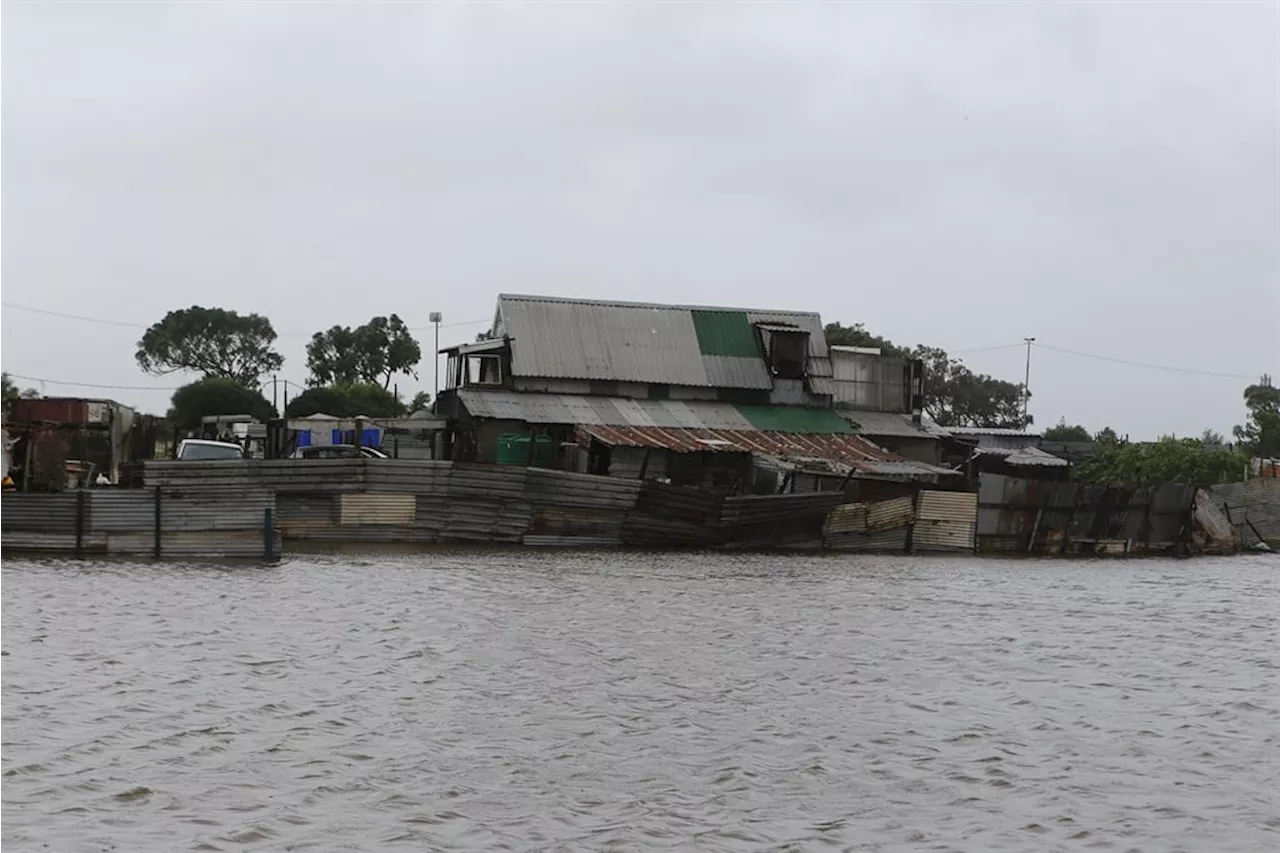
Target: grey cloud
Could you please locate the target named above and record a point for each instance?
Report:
(1100, 175)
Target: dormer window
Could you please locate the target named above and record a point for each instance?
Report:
(484, 369)
(483, 363)
(786, 350)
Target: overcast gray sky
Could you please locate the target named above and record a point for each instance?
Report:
(1103, 176)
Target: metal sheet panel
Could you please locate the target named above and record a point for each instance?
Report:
(846, 518)
(948, 506)
(934, 535)
(600, 340)
(376, 508)
(884, 515)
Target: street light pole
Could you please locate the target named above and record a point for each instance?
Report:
(435, 318)
(1026, 384)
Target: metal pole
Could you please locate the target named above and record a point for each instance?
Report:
(1026, 384)
(435, 318)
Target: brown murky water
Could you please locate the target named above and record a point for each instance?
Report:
(538, 701)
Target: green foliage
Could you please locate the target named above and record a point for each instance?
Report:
(953, 394)
(12, 392)
(216, 396)
(1106, 435)
(1063, 431)
(1260, 435)
(420, 401)
(857, 336)
(374, 352)
(1169, 460)
(213, 342)
(346, 400)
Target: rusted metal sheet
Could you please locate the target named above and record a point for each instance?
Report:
(63, 410)
(372, 508)
(784, 444)
(945, 521)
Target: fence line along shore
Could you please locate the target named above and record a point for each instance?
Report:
(262, 509)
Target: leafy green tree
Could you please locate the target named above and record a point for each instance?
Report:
(1260, 434)
(420, 401)
(374, 352)
(1062, 431)
(1212, 438)
(857, 336)
(216, 396)
(1169, 460)
(12, 392)
(346, 400)
(212, 342)
(1106, 435)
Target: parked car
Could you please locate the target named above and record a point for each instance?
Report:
(202, 449)
(338, 451)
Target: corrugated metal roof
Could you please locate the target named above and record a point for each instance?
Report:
(636, 342)
(795, 419)
(976, 431)
(848, 448)
(886, 423)
(725, 333)
(1028, 456)
(611, 411)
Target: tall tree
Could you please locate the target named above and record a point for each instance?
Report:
(858, 336)
(216, 396)
(1062, 431)
(374, 352)
(346, 400)
(212, 342)
(12, 392)
(420, 402)
(1260, 434)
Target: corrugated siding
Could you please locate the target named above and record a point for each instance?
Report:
(846, 518)
(945, 521)
(882, 542)
(371, 508)
(726, 333)
(886, 515)
(37, 513)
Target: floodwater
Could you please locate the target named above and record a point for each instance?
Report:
(578, 701)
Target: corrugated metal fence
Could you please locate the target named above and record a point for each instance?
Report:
(224, 508)
(217, 521)
(1039, 517)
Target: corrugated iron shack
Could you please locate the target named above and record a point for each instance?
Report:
(53, 436)
(689, 395)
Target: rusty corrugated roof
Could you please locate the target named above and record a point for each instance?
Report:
(837, 446)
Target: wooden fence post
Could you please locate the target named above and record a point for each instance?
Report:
(81, 500)
(156, 550)
(268, 534)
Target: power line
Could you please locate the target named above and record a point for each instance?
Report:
(1164, 367)
(92, 384)
(121, 323)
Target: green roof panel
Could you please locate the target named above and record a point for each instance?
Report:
(795, 419)
(725, 333)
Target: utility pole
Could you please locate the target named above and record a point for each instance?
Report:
(1026, 384)
(435, 318)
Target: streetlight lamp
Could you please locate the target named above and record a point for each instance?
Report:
(435, 317)
(1026, 383)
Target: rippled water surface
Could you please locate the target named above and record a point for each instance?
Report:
(539, 701)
